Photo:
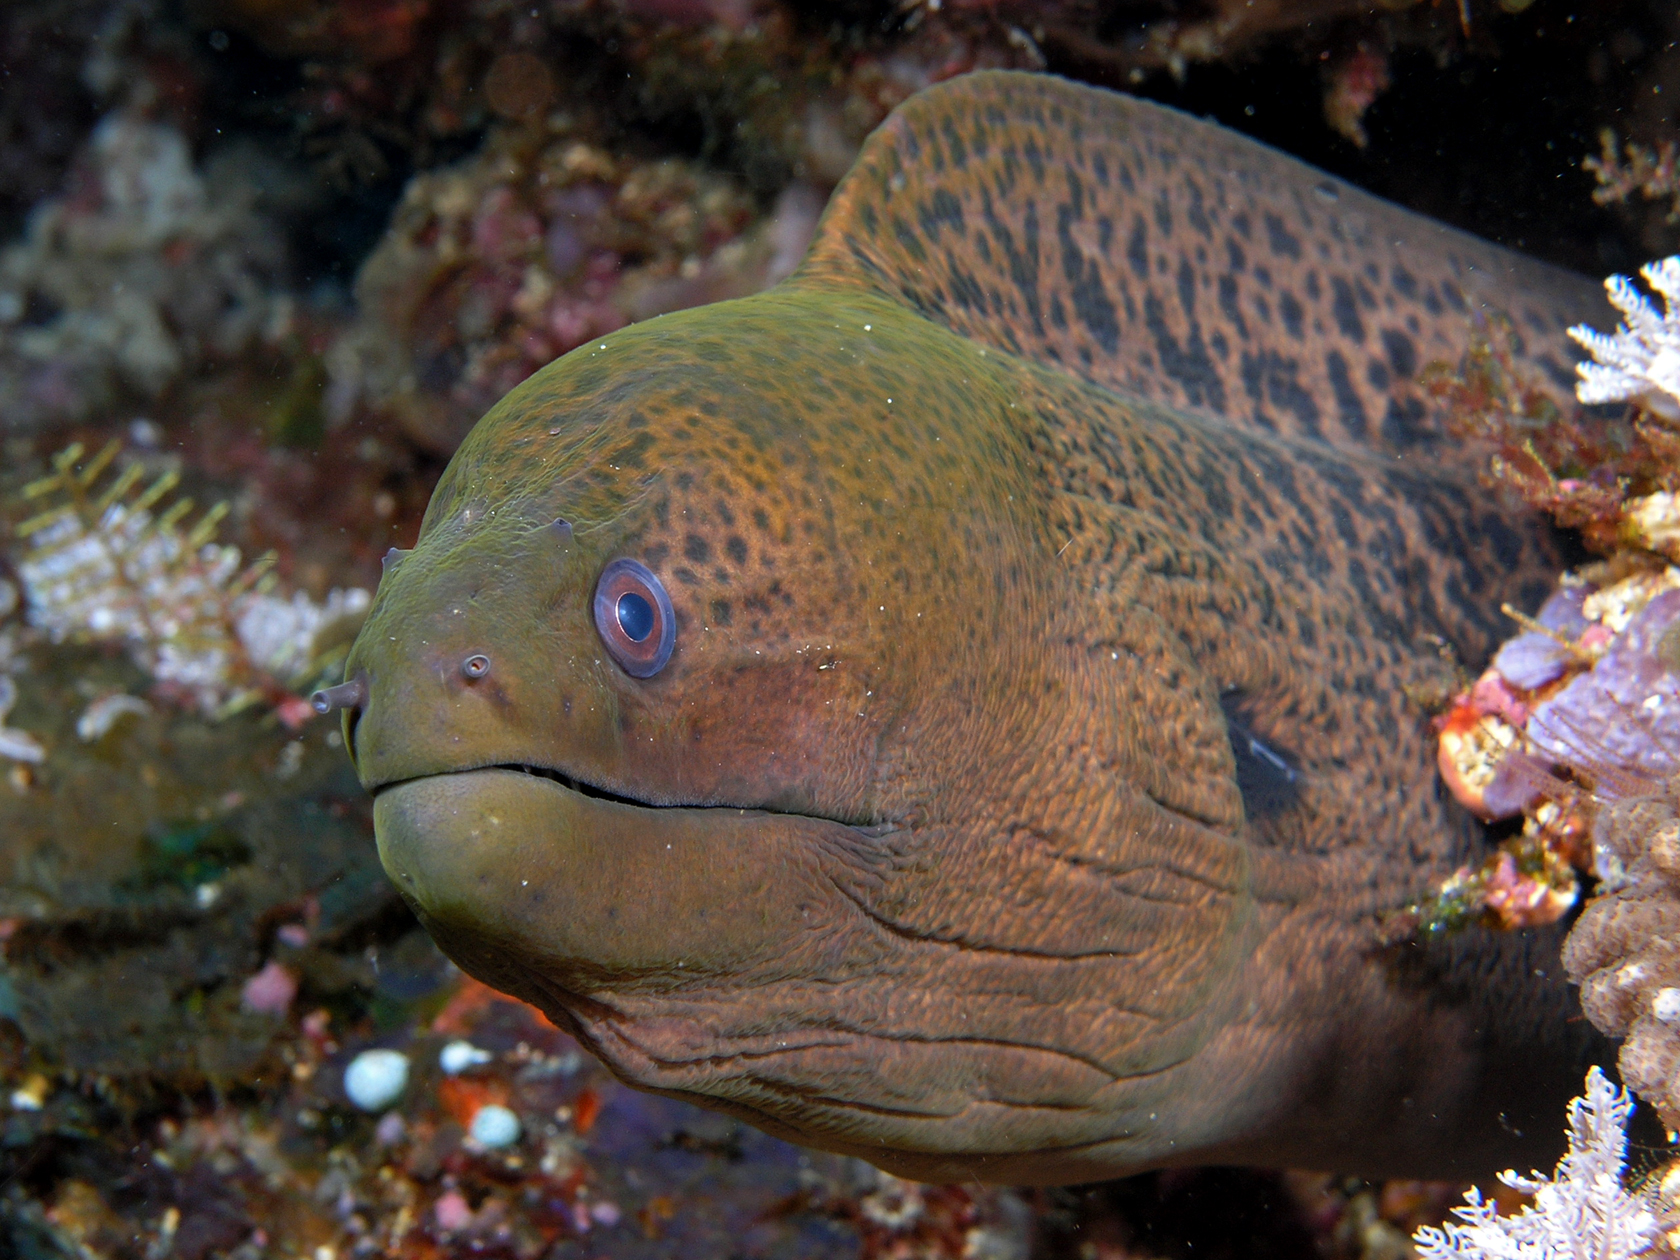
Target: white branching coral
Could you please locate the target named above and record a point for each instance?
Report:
(1581, 1212)
(1641, 359)
(119, 562)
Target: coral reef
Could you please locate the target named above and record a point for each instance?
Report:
(541, 241)
(141, 271)
(1581, 1210)
(1510, 742)
(1575, 725)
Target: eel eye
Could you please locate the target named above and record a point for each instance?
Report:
(634, 619)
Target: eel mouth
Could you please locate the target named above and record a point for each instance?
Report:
(582, 786)
(552, 773)
(593, 791)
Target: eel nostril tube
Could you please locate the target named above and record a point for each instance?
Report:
(350, 694)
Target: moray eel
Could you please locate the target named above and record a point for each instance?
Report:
(948, 708)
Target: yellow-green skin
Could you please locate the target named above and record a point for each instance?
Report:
(934, 842)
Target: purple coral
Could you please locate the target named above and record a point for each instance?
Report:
(1625, 711)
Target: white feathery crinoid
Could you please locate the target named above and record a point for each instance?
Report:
(1641, 359)
(1581, 1212)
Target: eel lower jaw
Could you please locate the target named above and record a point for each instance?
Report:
(513, 870)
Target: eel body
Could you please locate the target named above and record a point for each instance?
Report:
(1029, 784)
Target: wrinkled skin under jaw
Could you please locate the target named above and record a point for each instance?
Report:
(734, 958)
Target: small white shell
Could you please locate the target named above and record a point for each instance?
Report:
(458, 1056)
(494, 1126)
(376, 1078)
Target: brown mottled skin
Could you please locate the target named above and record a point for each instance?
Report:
(1070, 461)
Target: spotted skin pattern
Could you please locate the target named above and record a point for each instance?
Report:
(942, 839)
(1144, 249)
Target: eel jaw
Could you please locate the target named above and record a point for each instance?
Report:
(521, 870)
(626, 923)
(733, 958)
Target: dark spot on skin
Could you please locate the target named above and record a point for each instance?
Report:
(697, 549)
(1227, 291)
(736, 546)
(1401, 351)
(1091, 302)
(1349, 409)
(721, 613)
(908, 240)
(966, 291)
(1187, 288)
(630, 454)
(1273, 378)
(1137, 247)
(1290, 310)
(1197, 213)
(1282, 240)
(942, 211)
(1403, 422)
(1345, 309)
(954, 144)
(1188, 364)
